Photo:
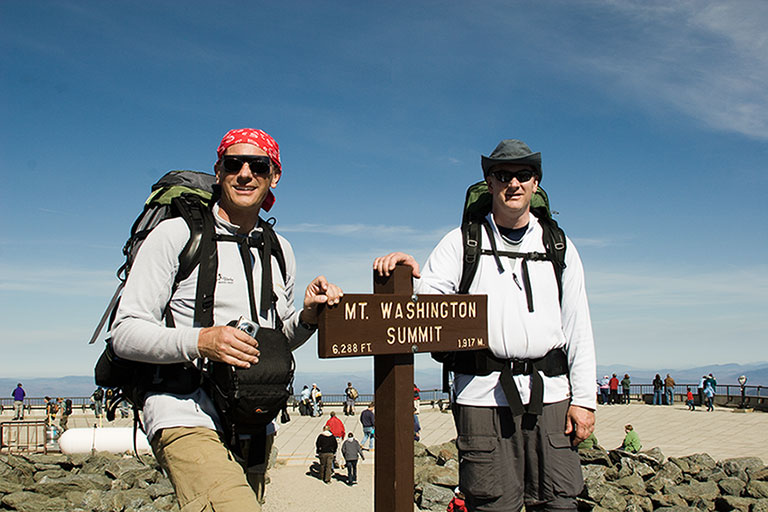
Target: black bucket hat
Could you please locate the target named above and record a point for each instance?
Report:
(512, 151)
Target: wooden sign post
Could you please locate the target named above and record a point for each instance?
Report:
(391, 325)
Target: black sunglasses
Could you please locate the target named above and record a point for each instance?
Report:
(507, 176)
(257, 164)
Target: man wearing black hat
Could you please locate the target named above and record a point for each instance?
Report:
(518, 425)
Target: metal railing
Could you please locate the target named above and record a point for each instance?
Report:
(23, 436)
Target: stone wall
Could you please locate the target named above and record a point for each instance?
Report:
(621, 481)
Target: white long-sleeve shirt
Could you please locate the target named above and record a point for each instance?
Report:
(139, 332)
(513, 331)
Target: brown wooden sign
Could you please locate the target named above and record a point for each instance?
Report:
(392, 324)
(376, 324)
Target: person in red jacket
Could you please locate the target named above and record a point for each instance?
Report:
(457, 503)
(336, 426)
(613, 384)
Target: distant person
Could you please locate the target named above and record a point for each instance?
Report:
(351, 451)
(702, 385)
(337, 429)
(326, 446)
(317, 400)
(658, 389)
(631, 440)
(18, 395)
(305, 402)
(669, 389)
(351, 395)
(613, 384)
(709, 397)
(368, 420)
(689, 399)
(98, 407)
(416, 398)
(416, 426)
(457, 504)
(625, 382)
(712, 381)
(51, 410)
(605, 389)
(65, 408)
(589, 443)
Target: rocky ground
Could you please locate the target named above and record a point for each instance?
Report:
(614, 481)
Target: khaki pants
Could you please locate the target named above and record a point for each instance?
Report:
(203, 471)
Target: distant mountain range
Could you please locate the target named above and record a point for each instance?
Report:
(334, 383)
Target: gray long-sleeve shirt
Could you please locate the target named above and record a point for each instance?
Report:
(139, 332)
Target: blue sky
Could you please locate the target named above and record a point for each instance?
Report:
(652, 119)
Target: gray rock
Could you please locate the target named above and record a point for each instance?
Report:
(734, 503)
(25, 501)
(639, 503)
(667, 500)
(738, 466)
(639, 468)
(613, 500)
(731, 486)
(41, 460)
(8, 486)
(594, 456)
(444, 452)
(596, 491)
(757, 489)
(654, 455)
(50, 473)
(760, 506)
(161, 488)
(759, 474)
(419, 449)
(434, 497)
(633, 484)
(593, 472)
(702, 460)
(712, 475)
(438, 475)
(691, 492)
(71, 482)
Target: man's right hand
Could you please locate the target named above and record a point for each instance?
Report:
(386, 264)
(228, 345)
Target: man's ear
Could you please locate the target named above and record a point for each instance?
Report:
(275, 178)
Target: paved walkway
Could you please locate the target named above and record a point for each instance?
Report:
(722, 433)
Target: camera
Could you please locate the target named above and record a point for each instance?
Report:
(247, 326)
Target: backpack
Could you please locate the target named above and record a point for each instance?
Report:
(98, 395)
(67, 407)
(190, 195)
(353, 394)
(477, 205)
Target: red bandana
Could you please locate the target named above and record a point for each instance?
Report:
(260, 139)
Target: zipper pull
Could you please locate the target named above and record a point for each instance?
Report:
(517, 282)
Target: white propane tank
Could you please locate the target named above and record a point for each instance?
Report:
(113, 440)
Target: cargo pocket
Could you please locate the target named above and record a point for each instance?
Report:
(563, 467)
(477, 474)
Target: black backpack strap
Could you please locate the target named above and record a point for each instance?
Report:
(472, 237)
(206, 276)
(555, 246)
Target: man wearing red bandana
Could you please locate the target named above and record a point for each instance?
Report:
(185, 429)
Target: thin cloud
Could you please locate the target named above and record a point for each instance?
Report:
(708, 60)
(351, 230)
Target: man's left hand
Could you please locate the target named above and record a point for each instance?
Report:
(319, 291)
(579, 423)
